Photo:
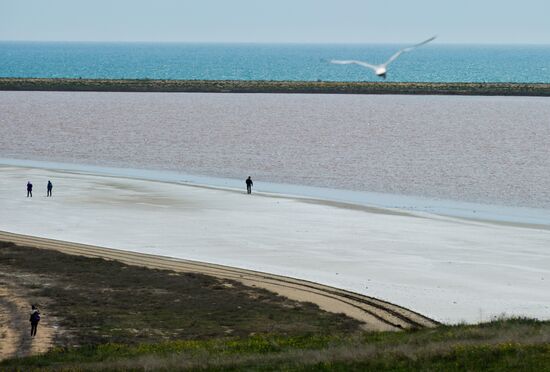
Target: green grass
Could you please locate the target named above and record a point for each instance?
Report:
(119, 317)
(260, 86)
(487, 347)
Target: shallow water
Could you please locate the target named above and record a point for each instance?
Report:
(479, 149)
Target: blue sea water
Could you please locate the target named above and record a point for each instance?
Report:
(431, 63)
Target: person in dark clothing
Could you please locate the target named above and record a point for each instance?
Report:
(50, 187)
(29, 189)
(34, 319)
(249, 184)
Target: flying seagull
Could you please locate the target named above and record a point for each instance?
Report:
(382, 69)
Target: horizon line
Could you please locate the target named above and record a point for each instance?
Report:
(263, 42)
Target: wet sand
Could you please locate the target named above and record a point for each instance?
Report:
(476, 270)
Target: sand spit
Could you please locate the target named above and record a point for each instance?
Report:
(261, 86)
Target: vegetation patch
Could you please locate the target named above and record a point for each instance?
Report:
(263, 86)
(99, 301)
(504, 345)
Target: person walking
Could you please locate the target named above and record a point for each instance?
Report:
(50, 187)
(34, 319)
(29, 189)
(249, 185)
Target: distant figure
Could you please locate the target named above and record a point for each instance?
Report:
(249, 184)
(50, 187)
(34, 319)
(29, 189)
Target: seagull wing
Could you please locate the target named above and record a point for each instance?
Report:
(408, 49)
(353, 62)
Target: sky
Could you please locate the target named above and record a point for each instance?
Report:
(294, 21)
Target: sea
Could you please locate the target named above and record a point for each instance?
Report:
(475, 157)
(303, 62)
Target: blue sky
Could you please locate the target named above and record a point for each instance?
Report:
(298, 21)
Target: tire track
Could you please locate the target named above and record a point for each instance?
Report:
(376, 314)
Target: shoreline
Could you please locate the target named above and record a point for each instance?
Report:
(260, 86)
(402, 259)
(372, 202)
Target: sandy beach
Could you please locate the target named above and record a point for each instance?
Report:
(448, 269)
